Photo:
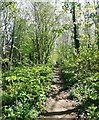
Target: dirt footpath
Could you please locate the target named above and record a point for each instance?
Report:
(58, 103)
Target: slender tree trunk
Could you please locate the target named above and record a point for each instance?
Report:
(5, 36)
(75, 29)
(12, 43)
(37, 39)
(97, 24)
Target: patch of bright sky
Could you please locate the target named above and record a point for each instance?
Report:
(58, 1)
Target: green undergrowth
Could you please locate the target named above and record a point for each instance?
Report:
(82, 79)
(24, 92)
(85, 88)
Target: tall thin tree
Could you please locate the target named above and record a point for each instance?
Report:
(76, 41)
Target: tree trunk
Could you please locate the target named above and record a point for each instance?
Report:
(12, 43)
(97, 24)
(75, 29)
(37, 38)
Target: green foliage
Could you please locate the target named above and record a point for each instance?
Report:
(28, 37)
(24, 92)
(80, 72)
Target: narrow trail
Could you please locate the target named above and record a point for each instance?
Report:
(58, 104)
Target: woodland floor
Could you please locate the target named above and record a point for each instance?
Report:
(59, 104)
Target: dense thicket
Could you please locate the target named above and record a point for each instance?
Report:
(27, 38)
